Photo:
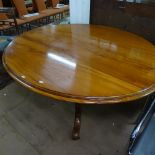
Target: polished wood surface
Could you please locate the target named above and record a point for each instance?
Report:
(83, 63)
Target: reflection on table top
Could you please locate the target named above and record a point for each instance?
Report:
(83, 63)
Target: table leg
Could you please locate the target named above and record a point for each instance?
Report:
(77, 122)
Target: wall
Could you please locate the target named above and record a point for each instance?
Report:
(79, 11)
(136, 18)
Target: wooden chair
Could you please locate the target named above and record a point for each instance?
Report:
(24, 15)
(2, 15)
(41, 7)
(5, 25)
(8, 19)
(54, 4)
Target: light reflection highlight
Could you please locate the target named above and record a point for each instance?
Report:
(41, 82)
(63, 60)
(108, 45)
(23, 76)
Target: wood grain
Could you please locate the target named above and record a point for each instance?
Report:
(83, 63)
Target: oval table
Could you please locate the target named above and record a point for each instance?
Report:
(83, 64)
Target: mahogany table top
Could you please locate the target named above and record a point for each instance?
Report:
(83, 63)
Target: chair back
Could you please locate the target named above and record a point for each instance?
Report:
(3, 16)
(54, 3)
(21, 7)
(40, 4)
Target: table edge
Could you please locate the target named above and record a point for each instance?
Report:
(76, 98)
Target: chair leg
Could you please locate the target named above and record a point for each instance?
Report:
(1, 32)
(17, 29)
(77, 122)
(29, 26)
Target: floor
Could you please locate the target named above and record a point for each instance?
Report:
(31, 124)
